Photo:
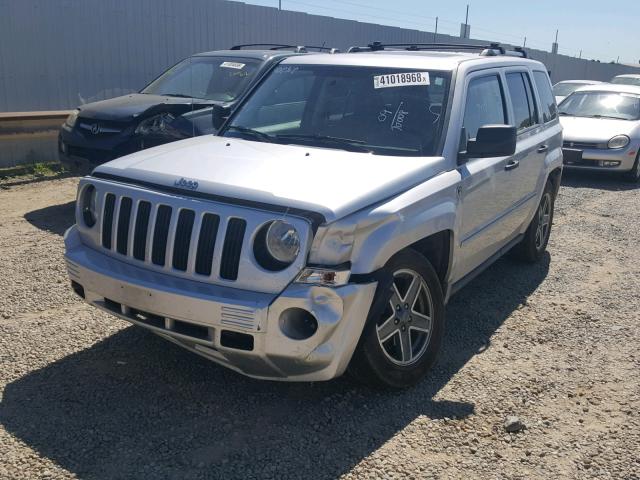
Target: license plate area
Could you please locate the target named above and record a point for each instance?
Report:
(571, 156)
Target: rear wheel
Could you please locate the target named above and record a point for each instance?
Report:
(403, 333)
(533, 245)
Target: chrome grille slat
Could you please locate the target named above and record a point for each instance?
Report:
(132, 223)
(168, 262)
(193, 243)
(114, 225)
(148, 251)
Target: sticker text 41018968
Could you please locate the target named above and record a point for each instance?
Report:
(401, 79)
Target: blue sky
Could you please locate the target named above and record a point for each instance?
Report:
(603, 30)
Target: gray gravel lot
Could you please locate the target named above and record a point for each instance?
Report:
(84, 395)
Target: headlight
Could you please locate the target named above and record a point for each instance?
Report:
(277, 245)
(88, 204)
(156, 124)
(619, 141)
(72, 118)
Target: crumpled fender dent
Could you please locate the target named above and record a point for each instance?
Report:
(364, 237)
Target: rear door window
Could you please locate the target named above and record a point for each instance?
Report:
(547, 100)
(524, 107)
(484, 106)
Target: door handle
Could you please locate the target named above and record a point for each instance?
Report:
(512, 164)
(542, 148)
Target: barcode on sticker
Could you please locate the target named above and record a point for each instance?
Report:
(401, 79)
(236, 65)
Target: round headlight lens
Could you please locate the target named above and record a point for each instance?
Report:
(619, 141)
(283, 241)
(89, 206)
(72, 118)
(277, 245)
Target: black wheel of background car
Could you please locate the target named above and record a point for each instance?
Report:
(633, 175)
(533, 245)
(403, 333)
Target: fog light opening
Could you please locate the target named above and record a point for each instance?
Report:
(298, 324)
(609, 163)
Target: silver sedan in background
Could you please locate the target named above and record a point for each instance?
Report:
(562, 90)
(628, 79)
(602, 129)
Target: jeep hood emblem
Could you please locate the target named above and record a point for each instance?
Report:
(186, 183)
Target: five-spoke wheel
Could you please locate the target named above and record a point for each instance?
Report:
(405, 328)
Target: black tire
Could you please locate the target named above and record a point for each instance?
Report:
(531, 249)
(381, 363)
(633, 176)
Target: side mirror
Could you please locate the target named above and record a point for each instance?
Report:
(219, 115)
(492, 141)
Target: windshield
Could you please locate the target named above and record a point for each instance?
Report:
(385, 111)
(626, 80)
(622, 106)
(212, 78)
(566, 89)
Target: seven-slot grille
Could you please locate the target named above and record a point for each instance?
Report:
(154, 240)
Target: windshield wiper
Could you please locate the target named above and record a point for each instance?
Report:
(355, 145)
(606, 116)
(180, 95)
(565, 114)
(251, 132)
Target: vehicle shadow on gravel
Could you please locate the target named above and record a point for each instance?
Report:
(55, 219)
(597, 180)
(136, 406)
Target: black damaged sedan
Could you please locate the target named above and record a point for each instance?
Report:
(174, 106)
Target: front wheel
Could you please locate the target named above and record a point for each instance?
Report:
(403, 333)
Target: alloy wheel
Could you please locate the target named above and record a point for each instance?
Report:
(405, 328)
(544, 221)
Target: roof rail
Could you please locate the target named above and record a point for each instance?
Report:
(490, 50)
(278, 46)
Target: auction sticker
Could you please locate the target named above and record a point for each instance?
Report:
(236, 65)
(401, 79)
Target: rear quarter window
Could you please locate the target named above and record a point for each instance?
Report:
(548, 105)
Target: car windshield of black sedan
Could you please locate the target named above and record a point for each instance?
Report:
(384, 111)
(211, 78)
(622, 106)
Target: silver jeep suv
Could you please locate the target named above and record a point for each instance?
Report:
(344, 202)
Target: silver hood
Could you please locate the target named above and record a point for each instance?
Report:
(600, 130)
(331, 182)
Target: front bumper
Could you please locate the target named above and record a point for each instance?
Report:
(203, 317)
(592, 159)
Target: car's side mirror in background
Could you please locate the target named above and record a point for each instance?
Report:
(219, 115)
(491, 141)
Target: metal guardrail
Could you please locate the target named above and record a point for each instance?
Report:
(29, 137)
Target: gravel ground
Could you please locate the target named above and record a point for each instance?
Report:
(557, 345)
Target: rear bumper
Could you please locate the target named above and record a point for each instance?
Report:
(203, 317)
